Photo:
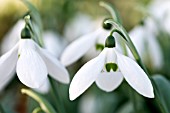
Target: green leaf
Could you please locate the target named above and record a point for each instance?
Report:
(44, 104)
(163, 87)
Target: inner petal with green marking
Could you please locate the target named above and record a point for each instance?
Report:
(111, 66)
(99, 47)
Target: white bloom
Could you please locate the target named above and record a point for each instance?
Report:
(32, 65)
(43, 88)
(76, 28)
(12, 37)
(146, 43)
(79, 47)
(95, 71)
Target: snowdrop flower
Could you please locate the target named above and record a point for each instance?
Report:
(32, 64)
(144, 39)
(9, 40)
(79, 47)
(51, 42)
(108, 70)
(44, 88)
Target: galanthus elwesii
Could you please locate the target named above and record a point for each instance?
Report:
(145, 40)
(108, 70)
(32, 63)
(79, 47)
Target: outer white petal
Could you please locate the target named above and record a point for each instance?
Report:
(109, 81)
(102, 35)
(31, 69)
(78, 48)
(75, 27)
(44, 88)
(55, 68)
(12, 37)
(135, 76)
(86, 75)
(111, 56)
(7, 66)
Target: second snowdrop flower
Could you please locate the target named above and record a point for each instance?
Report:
(32, 63)
(108, 70)
(79, 47)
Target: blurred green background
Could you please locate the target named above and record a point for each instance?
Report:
(55, 15)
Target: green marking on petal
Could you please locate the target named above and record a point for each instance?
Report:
(99, 47)
(111, 66)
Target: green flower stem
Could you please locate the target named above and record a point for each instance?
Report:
(44, 104)
(121, 31)
(111, 9)
(134, 100)
(59, 103)
(35, 37)
(36, 110)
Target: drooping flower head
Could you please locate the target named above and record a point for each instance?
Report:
(82, 45)
(108, 70)
(32, 63)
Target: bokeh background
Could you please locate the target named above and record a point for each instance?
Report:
(56, 16)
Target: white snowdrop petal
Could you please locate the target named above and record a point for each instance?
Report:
(7, 65)
(78, 48)
(31, 69)
(44, 88)
(109, 81)
(111, 56)
(135, 76)
(76, 26)
(55, 68)
(12, 37)
(86, 76)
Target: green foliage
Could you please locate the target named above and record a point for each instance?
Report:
(163, 87)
